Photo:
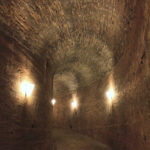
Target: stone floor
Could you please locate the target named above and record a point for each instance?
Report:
(69, 140)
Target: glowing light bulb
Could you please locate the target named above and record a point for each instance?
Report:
(74, 104)
(110, 94)
(26, 88)
(53, 101)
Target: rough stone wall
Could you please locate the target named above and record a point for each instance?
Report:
(25, 122)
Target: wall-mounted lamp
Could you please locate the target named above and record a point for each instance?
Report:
(53, 101)
(110, 94)
(74, 104)
(26, 88)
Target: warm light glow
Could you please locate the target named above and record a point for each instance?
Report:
(26, 88)
(74, 104)
(110, 94)
(53, 101)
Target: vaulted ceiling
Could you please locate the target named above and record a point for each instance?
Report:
(83, 40)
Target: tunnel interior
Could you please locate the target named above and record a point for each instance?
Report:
(73, 71)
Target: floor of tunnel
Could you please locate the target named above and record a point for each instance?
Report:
(70, 140)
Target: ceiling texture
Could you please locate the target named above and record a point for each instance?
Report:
(82, 39)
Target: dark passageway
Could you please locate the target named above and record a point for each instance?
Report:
(75, 74)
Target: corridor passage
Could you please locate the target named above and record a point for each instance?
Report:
(70, 140)
(75, 65)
